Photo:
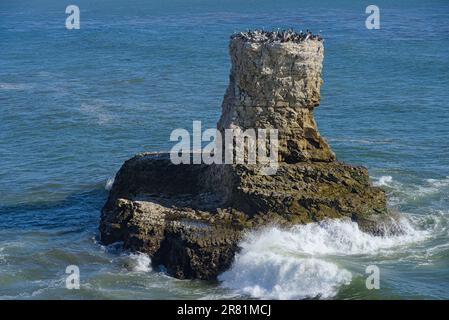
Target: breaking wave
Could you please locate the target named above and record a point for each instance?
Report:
(304, 261)
(140, 262)
(427, 186)
(383, 181)
(403, 193)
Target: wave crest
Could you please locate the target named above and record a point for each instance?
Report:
(294, 264)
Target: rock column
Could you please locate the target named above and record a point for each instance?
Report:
(275, 83)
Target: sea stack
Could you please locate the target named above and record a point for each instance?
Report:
(275, 83)
(190, 217)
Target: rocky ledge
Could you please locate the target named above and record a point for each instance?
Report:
(190, 218)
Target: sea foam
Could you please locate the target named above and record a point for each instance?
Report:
(140, 262)
(400, 193)
(300, 262)
(383, 181)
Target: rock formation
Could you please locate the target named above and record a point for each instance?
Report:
(189, 218)
(277, 84)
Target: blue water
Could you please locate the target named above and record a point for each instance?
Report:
(75, 104)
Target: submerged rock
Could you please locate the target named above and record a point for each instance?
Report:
(189, 218)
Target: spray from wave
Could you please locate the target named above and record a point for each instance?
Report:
(137, 262)
(140, 262)
(109, 183)
(303, 262)
(383, 181)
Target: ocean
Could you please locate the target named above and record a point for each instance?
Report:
(75, 104)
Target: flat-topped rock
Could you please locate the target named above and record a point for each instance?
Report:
(278, 36)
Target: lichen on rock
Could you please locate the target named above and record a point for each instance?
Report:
(190, 218)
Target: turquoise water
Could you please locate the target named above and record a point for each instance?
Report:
(75, 104)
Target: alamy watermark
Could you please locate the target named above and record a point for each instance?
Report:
(373, 280)
(73, 279)
(250, 146)
(373, 20)
(73, 20)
